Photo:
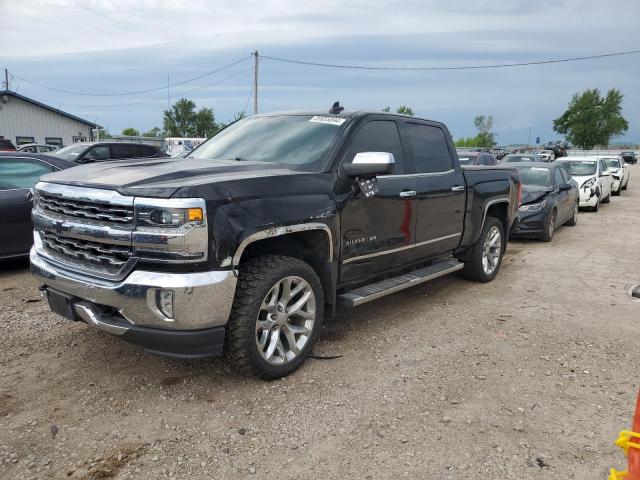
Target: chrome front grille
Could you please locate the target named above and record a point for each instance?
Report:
(92, 255)
(121, 215)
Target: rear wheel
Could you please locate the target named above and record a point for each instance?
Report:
(596, 206)
(574, 218)
(486, 255)
(550, 229)
(276, 316)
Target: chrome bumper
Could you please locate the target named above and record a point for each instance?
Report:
(200, 300)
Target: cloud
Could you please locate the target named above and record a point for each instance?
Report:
(117, 45)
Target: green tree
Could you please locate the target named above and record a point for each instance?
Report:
(485, 137)
(386, 109)
(131, 132)
(154, 132)
(104, 133)
(404, 110)
(182, 120)
(592, 120)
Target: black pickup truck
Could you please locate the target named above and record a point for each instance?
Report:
(248, 243)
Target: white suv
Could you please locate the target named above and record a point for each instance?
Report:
(620, 172)
(593, 177)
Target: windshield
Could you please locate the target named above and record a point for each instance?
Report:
(520, 158)
(467, 160)
(612, 163)
(70, 152)
(578, 168)
(297, 141)
(539, 176)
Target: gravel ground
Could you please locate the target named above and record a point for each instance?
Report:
(528, 377)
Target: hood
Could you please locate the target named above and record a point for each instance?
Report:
(162, 177)
(582, 178)
(534, 193)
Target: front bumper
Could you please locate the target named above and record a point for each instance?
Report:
(530, 224)
(588, 197)
(130, 308)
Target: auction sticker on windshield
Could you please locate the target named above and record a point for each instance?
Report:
(329, 120)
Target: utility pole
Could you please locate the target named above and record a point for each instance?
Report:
(6, 79)
(529, 143)
(168, 101)
(255, 82)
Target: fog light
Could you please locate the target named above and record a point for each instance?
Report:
(164, 300)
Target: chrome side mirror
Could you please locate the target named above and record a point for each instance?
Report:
(370, 164)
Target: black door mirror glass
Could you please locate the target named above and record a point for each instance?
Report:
(564, 187)
(370, 164)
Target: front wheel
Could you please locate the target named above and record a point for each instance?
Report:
(486, 255)
(550, 228)
(607, 199)
(276, 316)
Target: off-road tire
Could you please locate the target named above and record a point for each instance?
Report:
(473, 268)
(256, 277)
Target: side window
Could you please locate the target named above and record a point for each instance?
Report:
(558, 177)
(378, 136)
(429, 145)
(603, 166)
(144, 151)
(97, 154)
(18, 173)
(122, 150)
(565, 174)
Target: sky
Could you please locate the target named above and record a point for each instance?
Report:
(106, 47)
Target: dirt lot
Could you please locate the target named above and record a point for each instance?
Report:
(531, 376)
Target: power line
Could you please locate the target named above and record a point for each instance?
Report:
(70, 92)
(460, 67)
(161, 98)
(253, 84)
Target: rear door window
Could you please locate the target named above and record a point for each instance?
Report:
(429, 147)
(122, 150)
(144, 150)
(378, 136)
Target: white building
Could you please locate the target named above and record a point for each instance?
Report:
(24, 120)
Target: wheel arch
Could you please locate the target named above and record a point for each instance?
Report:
(310, 242)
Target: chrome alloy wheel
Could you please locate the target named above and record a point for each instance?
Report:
(285, 320)
(491, 250)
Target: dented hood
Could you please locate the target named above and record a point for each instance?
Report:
(164, 176)
(532, 193)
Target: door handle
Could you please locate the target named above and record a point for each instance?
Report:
(458, 188)
(408, 193)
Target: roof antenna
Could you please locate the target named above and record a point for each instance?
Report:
(336, 108)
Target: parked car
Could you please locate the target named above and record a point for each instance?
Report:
(476, 158)
(593, 177)
(546, 155)
(19, 172)
(521, 157)
(629, 157)
(620, 173)
(89, 152)
(250, 241)
(6, 145)
(549, 199)
(36, 148)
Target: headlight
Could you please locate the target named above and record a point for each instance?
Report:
(168, 217)
(170, 230)
(533, 207)
(589, 183)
